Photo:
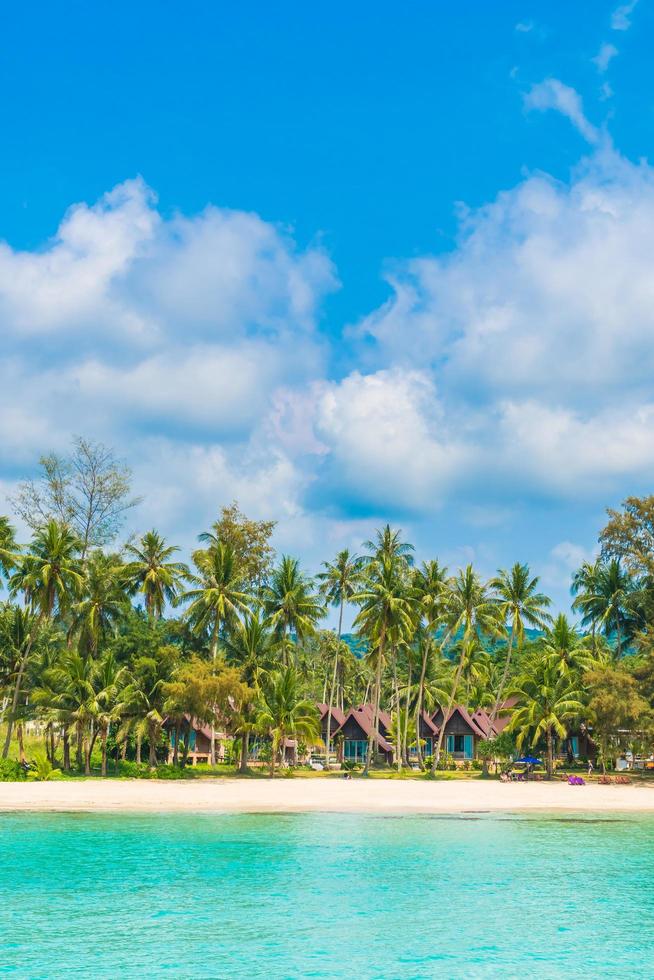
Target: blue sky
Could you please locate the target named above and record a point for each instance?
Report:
(348, 263)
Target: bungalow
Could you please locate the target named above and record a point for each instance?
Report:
(337, 719)
(199, 737)
(462, 732)
(428, 732)
(354, 734)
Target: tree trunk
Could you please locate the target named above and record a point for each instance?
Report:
(178, 733)
(618, 637)
(87, 756)
(152, 756)
(331, 690)
(52, 745)
(66, 740)
(16, 695)
(446, 715)
(78, 748)
(421, 695)
(273, 753)
(372, 738)
(138, 749)
(550, 754)
(245, 739)
(21, 744)
(103, 736)
(505, 672)
(187, 742)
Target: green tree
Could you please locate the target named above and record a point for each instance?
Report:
(103, 604)
(607, 602)
(547, 701)
(50, 577)
(250, 544)
(339, 583)
(430, 592)
(615, 708)
(249, 645)
(291, 603)
(285, 713)
(520, 604)
(153, 574)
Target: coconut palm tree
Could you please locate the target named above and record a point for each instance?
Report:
(429, 587)
(471, 613)
(218, 596)
(153, 574)
(568, 651)
(50, 576)
(284, 711)
(385, 612)
(520, 604)
(339, 582)
(103, 604)
(249, 645)
(291, 604)
(141, 703)
(547, 701)
(387, 545)
(8, 548)
(607, 602)
(584, 585)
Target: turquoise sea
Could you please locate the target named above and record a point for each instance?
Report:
(324, 895)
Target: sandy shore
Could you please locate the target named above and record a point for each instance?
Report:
(329, 795)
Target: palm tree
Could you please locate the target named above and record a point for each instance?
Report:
(520, 603)
(385, 607)
(584, 585)
(249, 645)
(103, 604)
(50, 576)
(429, 589)
(153, 574)
(285, 712)
(471, 613)
(291, 603)
(607, 602)
(566, 649)
(339, 584)
(8, 547)
(141, 706)
(388, 546)
(108, 679)
(218, 596)
(547, 700)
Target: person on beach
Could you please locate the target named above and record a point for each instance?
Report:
(590, 768)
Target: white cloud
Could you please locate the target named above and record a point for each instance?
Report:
(388, 439)
(621, 16)
(553, 94)
(604, 56)
(524, 27)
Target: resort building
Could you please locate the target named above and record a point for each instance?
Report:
(199, 742)
(462, 732)
(352, 736)
(337, 719)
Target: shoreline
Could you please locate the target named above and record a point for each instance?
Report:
(225, 795)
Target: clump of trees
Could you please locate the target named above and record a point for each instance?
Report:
(103, 643)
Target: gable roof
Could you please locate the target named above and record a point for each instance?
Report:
(364, 717)
(337, 715)
(473, 725)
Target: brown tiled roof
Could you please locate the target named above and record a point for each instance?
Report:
(469, 720)
(363, 715)
(429, 722)
(337, 714)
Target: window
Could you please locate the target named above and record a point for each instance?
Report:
(355, 749)
(460, 745)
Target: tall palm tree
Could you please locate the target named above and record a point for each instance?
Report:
(387, 545)
(547, 700)
(291, 604)
(218, 596)
(103, 604)
(471, 613)
(430, 589)
(608, 602)
(50, 576)
(8, 547)
(584, 585)
(385, 606)
(285, 712)
(249, 645)
(339, 583)
(520, 604)
(153, 574)
(566, 649)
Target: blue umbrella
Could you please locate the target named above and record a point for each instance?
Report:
(530, 760)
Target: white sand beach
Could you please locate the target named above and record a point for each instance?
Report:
(328, 795)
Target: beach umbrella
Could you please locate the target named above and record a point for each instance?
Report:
(530, 760)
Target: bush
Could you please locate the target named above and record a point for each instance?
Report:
(11, 771)
(477, 764)
(42, 768)
(169, 772)
(133, 770)
(350, 766)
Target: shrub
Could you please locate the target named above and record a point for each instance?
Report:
(169, 772)
(350, 766)
(42, 768)
(133, 770)
(11, 771)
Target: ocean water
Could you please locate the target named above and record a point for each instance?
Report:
(324, 895)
